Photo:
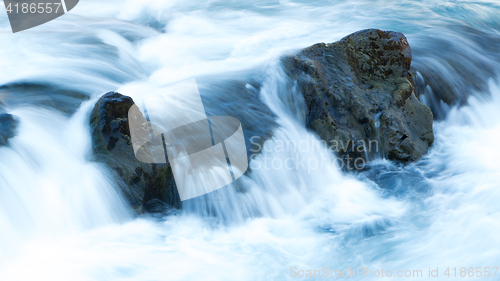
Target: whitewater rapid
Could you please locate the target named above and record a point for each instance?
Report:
(63, 218)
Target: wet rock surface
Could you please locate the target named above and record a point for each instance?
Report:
(148, 187)
(359, 91)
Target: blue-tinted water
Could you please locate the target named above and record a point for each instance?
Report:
(63, 218)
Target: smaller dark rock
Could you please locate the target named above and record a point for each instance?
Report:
(147, 187)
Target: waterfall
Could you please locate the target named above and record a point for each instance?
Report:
(63, 217)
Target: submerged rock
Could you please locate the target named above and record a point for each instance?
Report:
(8, 128)
(146, 186)
(53, 97)
(358, 91)
(449, 69)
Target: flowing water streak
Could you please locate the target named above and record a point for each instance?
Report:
(48, 186)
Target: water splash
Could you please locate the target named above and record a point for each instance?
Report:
(62, 217)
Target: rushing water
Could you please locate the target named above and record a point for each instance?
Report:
(63, 218)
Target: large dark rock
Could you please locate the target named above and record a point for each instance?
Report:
(358, 90)
(148, 187)
(8, 128)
